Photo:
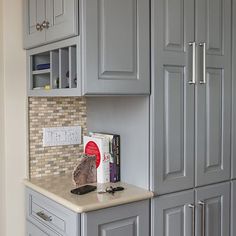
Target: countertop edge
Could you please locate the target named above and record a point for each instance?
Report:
(92, 207)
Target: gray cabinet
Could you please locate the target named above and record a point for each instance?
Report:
(233, 208)
(233, 146)
(32, 230)
(191, 93)
(126, 220)
(48, 20)
(173, 215)
(115, 46)
(205, 211)
(213, 210)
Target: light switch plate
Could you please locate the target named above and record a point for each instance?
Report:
(58, 136)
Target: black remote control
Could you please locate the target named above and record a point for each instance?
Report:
(84, 189)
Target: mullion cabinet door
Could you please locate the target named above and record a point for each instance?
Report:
(62, 17)
(34, 13)
(213, 210)
(173, 214)
(172, 98)
(213, 91)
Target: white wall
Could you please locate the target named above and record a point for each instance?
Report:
(14, 82)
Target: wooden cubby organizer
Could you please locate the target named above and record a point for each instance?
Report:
(54, 69)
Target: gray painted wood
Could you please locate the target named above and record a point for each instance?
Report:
(233, 208)
(233, 141)
(32, 230)
(63, 19)
(213, 99)
(172, 98)
(34, 12)
(217, 210)
(171, 214)
(126, 220)
(115, 46)
(63, 220)
(129, 117)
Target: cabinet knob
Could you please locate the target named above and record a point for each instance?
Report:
(39, 27)
(45, 25)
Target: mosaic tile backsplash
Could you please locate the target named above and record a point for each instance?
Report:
(54, 112)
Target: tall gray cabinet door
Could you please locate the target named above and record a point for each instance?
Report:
(62, 16)
(173, 214)
(233, 141)
(213, 91)
(125, 220)
(34, 13)
(213, 210)
(233, 208)
(172, 99)
(32, 230)
(115, 46)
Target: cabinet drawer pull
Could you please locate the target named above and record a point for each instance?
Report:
(44, 216)
(203, 211)
(203, 45)
(45, 24)
(39, 27)
(193, 45)
(192, 206)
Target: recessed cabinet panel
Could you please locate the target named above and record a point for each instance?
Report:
(174, 28)
(214, 210)
(115, 46)
(174, 122)
(172, 215)
(62, 16)
(117, 39)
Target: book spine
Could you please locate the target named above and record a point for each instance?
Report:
(113, 164)
(117, 155)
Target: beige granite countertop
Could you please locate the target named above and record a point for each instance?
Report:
(58, 189)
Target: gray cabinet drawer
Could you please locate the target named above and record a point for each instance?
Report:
(43, 211)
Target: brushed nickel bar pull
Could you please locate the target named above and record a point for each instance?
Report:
(44, 216)
(192, 206)
(193, 45)
(203, 206)
(203, 45)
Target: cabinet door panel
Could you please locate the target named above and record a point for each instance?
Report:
(171, 214)
(62, 16)
(172, 100)
(115, 46)
(217, 210)
(213, 98)
(233, 208)
(125, 220)
(34, 13)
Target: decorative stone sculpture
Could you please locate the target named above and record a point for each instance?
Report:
(85, 172)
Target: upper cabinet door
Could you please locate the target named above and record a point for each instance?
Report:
(172, 99)
(213, 91)
(115, 46)
(213, 210)
(62, 17)
(34, 14)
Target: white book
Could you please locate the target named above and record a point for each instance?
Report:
(99, 147)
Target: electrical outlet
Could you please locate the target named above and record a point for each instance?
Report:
(57, 136)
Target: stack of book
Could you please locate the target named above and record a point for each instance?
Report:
(106, 147)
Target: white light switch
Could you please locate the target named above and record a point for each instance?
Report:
(58, 136)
